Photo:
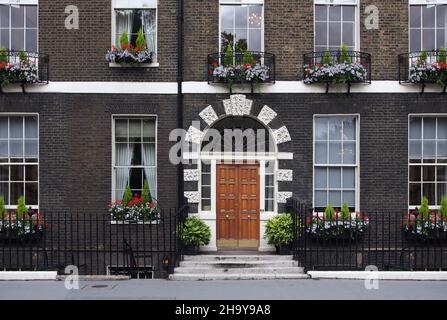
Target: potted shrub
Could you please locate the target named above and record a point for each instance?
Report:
(128, 54)
(194, 233)
(279, 233)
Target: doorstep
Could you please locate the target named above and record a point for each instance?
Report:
(380, 275)
(27, 275)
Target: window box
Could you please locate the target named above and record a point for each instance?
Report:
(241, 67)
(134, 65)
(28, 228)
(424, 67)
(23, 67)
(337, 67)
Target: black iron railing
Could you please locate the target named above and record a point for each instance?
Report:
(24, 68)
(94, 244)
(388, 241)
(329, 67)
(259, 67)
(423, 67)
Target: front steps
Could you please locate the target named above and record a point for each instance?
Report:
(237, 267)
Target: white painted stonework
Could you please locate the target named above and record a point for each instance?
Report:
(193, 196)
(191, 175)
(209, 115)
(267, 115)
(282, 135)
(194, 135)
(284, 175)
(238, 105)
(283, 196)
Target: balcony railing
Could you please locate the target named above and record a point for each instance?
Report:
(23, 67)
(331, 67)
(241, 67)
(423, 67)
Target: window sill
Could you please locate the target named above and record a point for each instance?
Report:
(134, 65)
(115, 222)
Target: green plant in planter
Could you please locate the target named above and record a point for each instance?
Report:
(443, 209)
(3, 55)
(327, 58)
(329, 213)
(344, 57)
(127, 197)
(146, 194)
(3, 211)
(442, 56)
(248, 58)
(141, 40)
(279, 230)
(424, 209)
(195, 232)
(423, 57)
(229, 55)
(345, 212)
(22, 209)
(124, 40)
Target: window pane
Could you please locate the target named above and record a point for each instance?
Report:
(17, 16)
(269, 181)
(415, 16)
(348, 13)
(31, 148)
(4, 16)
(335, 198)
(442, 149)
(16, 148)
(335, 152)
(31, 173)
(269, 192)
(241, 17)
(334, 34)
(440, 38)
(442, 128)
(135, 133)
(17, 173)
(429, 149)
(121, 130)
(227, 17)
(349, 153)
(428, 39)
(415, 149)
(31, 40)
(255, 40)
(415, 128)
(17, 39)
(321, 152)
(415, 194)
(206, 192)
(334, 178)
(4, 191)
(441, 174)
(415, 40)
(428, 16)
(136, 154)
(321, 178)
(428, 173)
(3, 127)
(335, 13)
(348, 178)
(320, 13)
(16, 127)
(255, 17)
(4, 173)
(31, 194)
(320, 199)
(321, 129)
(335, 128)
(149, 130)
(349, 197)
(269, 205)
(31, 16)
(348, 34)
(206, 204)
(442, 191)
(429, 192)
(136, 179)
(206, 179)
(4, 149)
(16, 192)
(415, 174)
(241, 44)
(321, 33)
(31, 127)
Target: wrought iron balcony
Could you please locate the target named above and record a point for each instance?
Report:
(423, 67)
(241, 67)
(23, 67)
(331, 67)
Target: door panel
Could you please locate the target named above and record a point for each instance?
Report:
(238, 206)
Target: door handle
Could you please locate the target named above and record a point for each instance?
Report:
(228, 217)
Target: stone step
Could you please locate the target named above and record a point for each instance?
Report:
(239, 264)
(273, 270)
(252, 276)
(237, 257)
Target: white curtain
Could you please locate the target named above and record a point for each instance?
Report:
(150, 172)
(149, 24)
(123, 158)
(124, 22)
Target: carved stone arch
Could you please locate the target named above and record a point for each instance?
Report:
(239, 105)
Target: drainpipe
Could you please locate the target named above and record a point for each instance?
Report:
(180, 13)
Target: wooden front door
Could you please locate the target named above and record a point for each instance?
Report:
(238, 206)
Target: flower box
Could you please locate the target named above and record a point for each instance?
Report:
(135, 211)
(431, 228)
(27, 228)
(337, 73)
(130, 56)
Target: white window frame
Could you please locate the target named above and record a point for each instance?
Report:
(136, 117)
(22, 3)
(356, 166)
(22, 114)
(421, 115)
(356, 21)
(136, 4)
(243, 2)
(421, 3)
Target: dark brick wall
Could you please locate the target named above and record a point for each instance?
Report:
(79, 55)
(76, 146)
(383, 138)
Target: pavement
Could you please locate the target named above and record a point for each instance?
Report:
(225, 290)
